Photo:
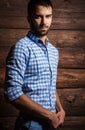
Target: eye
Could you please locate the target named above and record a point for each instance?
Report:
(48, 16)
(37, 16)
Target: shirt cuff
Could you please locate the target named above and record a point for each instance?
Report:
(13, 93)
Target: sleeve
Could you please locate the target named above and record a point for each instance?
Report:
(15, 70)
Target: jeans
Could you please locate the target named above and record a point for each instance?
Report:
(32, 125)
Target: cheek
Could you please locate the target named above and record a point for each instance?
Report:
(37, 22)
(49, 22)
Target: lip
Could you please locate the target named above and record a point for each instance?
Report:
(44, 28)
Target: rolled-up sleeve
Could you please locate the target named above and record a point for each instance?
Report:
(15, 70)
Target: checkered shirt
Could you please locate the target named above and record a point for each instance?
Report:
(31, 68)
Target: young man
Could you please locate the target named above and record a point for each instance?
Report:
(31, 71)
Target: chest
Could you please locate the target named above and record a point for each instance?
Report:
(40, 61)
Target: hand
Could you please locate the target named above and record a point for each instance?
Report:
(61, 117)
(54, 120)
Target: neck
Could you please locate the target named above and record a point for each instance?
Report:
(43, 38)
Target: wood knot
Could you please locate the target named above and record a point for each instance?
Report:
(71, 99)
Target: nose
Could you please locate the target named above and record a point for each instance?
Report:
(43, 20)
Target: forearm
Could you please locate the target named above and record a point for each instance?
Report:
(61, 112)
(25, 104)
(58, 103)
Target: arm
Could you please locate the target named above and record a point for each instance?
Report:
(61, 112)
(15, 69)
(25, 104)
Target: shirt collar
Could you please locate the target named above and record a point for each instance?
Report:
(37, 40)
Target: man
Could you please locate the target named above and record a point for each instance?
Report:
(31, 70)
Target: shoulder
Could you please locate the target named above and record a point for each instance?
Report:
(23, 42)
(20, 50)
(22, 45)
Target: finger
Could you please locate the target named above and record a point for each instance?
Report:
(61, 121)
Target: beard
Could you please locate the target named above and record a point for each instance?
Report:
(39, 31)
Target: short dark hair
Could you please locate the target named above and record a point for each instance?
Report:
(32, 4)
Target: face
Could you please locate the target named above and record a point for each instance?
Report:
(41, 20)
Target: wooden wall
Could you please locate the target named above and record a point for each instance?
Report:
(68, 35)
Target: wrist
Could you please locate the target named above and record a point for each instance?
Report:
(60, 108)
(51, 115)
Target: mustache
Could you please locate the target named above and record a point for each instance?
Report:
(44, 26)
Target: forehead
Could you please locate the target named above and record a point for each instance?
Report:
(43, 10)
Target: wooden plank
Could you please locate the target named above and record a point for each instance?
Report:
(68, 23)
(13, 3)
(67, 38)
(70, 3)
(2, 77)
(58, 23)
(71, 123)
(7, 110)
(14, 22)
(21, 3)
(10, 36)
(73, 101)
(71, 58)
(57, 13)
(7, 123)
(68, 57)
(14, 8)
(75, 121)
(3, 55)
(67, 78)
(59, 38)
(71, 78)
(69, 13)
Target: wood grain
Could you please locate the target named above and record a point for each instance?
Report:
(58, 22)
(59, 38)
(19, 8)
(71, 123)
(71, 78)
(73, 101)
(67, 78)
(68, 57)
(67, 33)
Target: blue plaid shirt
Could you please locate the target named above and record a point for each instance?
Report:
(32, 69)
